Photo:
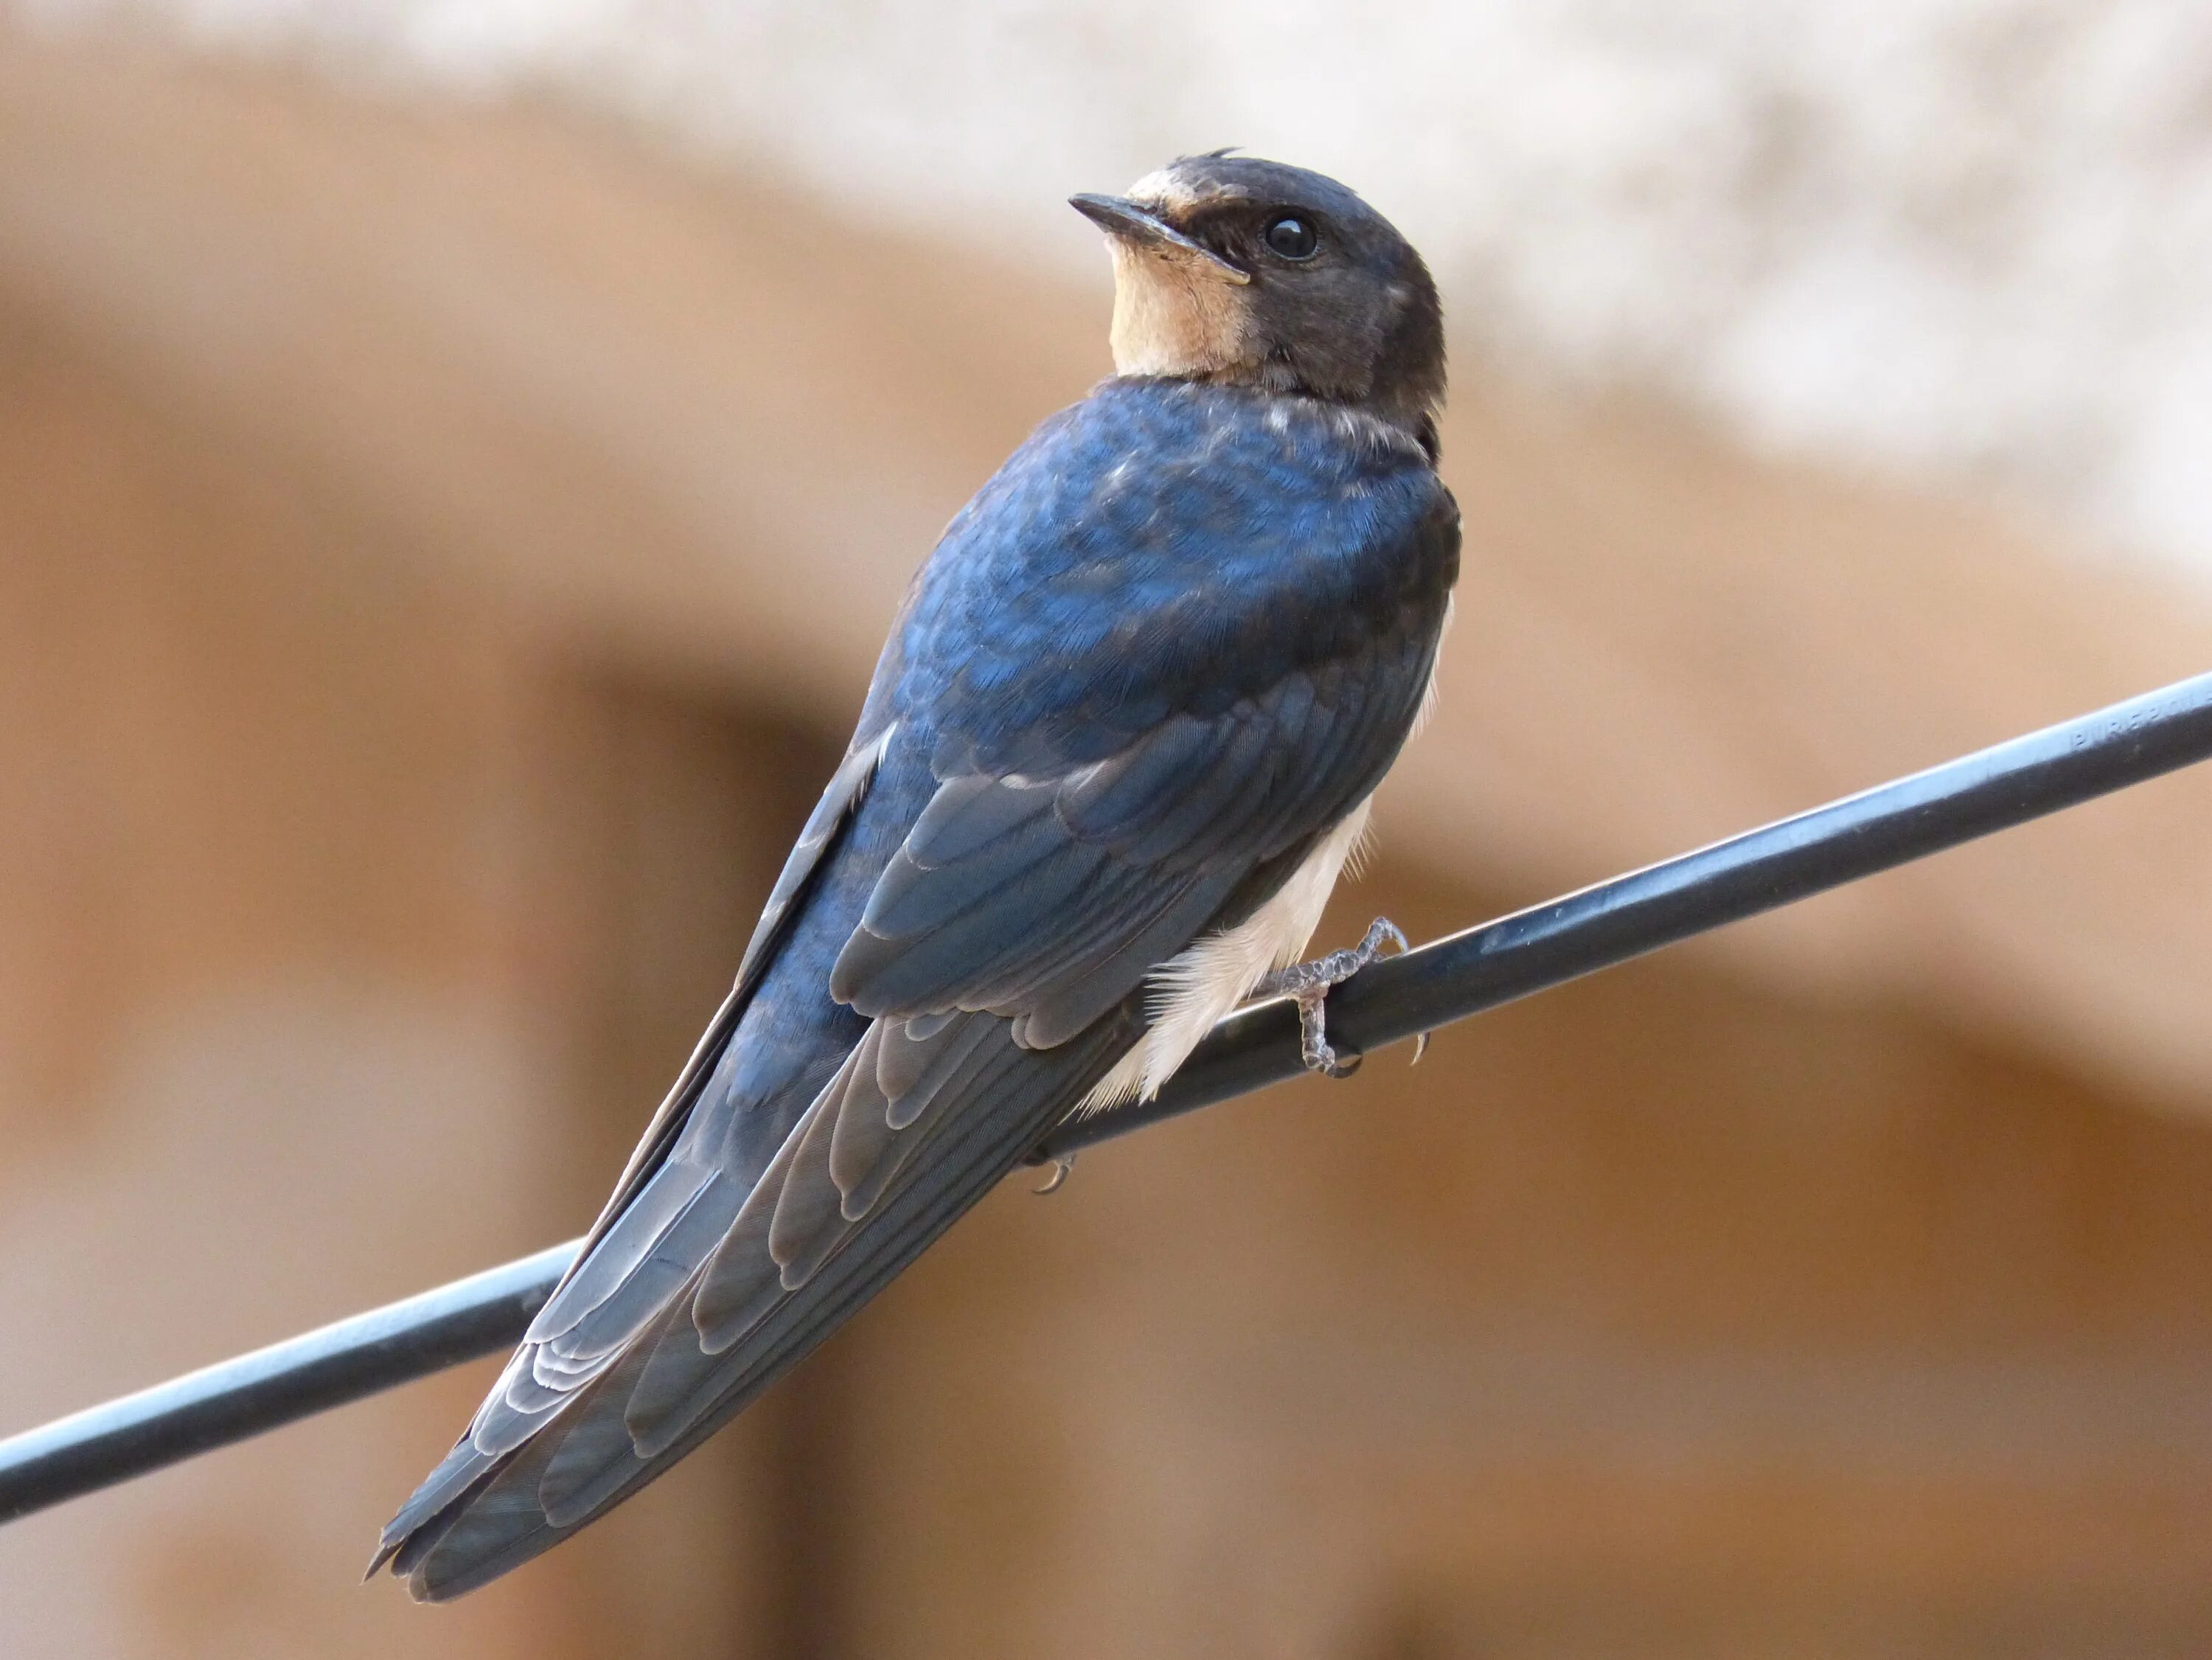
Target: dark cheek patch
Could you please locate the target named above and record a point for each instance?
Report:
(1325, 329)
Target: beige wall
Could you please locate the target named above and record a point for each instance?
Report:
(262, 939)
(369, 878)
(702, 419)
(1654, 1316)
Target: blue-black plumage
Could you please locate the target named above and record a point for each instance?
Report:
(1119, 744)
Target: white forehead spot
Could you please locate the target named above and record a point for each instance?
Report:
(1170, 190)
(1164, 189)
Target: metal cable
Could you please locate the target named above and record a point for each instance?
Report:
(1448, 979)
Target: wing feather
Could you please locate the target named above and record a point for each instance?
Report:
(1048, 800)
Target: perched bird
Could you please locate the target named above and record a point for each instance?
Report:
(1118, 748)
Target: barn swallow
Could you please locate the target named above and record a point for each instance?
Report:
(1119, 746)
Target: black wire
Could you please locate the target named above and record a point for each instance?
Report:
(1792, 858)
(1449, 980)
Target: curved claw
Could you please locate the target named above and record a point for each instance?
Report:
(1307, 985)
(1060, 1167)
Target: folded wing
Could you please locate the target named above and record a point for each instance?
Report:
(953, 957)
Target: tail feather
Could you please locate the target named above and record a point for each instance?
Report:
(482, 1513)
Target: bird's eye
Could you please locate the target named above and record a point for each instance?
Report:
(1292, 237)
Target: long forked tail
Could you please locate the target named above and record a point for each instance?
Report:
(522, 1481)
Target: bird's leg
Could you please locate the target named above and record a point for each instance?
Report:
(1308, 984)
(1060, 1167)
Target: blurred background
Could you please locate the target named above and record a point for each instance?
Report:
(457, 462)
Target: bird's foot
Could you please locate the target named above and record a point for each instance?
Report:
(1061, 1168)
(1307, 985)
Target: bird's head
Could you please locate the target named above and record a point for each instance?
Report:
(1230, 269)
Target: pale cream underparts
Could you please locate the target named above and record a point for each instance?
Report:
(1191, 991)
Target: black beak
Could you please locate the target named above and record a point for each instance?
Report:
(1132, 221)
